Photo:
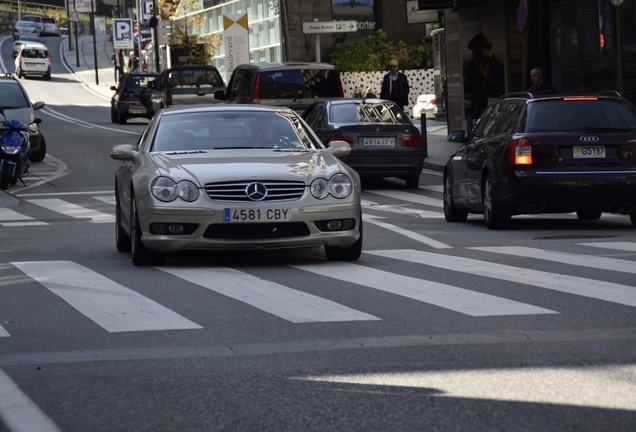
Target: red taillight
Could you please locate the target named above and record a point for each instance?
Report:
(168, 98)
(348, 139)
(411, 141)
(433, 101)
(124, 95)
(520, 152)
(257, 88)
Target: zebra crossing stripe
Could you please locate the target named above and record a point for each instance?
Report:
(278, 300)
(565, 258)
(446, 296)
(607, 291)
(10, 218)
(73, 210)
(410, 234)
(110, 305)
(3, 332)
(622, 246)
(410, 197)
(18, 412)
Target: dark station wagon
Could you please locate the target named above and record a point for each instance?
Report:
(556, 154)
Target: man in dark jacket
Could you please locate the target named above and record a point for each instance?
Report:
(395, 86)
(540, 87)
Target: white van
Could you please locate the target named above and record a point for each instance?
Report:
(33, 59)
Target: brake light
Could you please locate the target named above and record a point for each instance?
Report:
(520, 152)
(580, 98)
(411, 141)
(348, 139)
(168, 98)
(257, 88)
(124, 95)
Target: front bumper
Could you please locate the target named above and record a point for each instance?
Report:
(205, 229)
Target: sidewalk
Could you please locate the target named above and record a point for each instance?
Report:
(100, 80)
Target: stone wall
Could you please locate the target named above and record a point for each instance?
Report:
(356, 83)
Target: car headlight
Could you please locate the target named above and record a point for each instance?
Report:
(166, 190)
(339, 186)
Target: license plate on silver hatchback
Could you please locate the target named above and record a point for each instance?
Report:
(594, 152)
(257, 215)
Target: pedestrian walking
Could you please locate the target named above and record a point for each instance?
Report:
(116, 61)
(395, 85)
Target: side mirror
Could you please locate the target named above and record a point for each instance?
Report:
(457, 136)
(339, 148)
(38, 105)
(123, 152)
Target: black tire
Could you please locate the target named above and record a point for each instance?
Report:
(588, 215)
(113, 116)
(632, 216)
(494, 216)
(412, 180)
(38, 156)
(349, 253)
(5, 179)
(141, 255)
(451, 213)
(122, 239)
(121, 118)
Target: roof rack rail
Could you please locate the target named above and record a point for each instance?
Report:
(608, 93)
(526, 95)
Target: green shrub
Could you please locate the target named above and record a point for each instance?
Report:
(374, 52)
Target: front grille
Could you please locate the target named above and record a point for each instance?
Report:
(237, 191)
(257, 231)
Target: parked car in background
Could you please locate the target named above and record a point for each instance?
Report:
(33, 59)
(229, 177)
(132, 98)
(425, 104)
(25, 27)
(186, 85)
(37, 19)
(556, 154)
(51, 27)
(384, 142)
(294, 84)
(17, 105)
(25, 39)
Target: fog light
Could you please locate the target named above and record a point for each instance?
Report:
(176, 229)
(334, 225)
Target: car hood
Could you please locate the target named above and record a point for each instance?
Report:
(239, 165)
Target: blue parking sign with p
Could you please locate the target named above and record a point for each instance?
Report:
(122, 33)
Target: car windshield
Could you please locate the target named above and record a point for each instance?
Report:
(11, 97)
(367, 112)
(579, 114)
(216, 130)
(298, 83)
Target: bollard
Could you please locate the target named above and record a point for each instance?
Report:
(424, 133)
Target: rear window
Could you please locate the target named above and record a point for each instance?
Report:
(49, 20)
(136, 83)
(579, 114)
(302, 83)
(200, 77)
(385, 113)
(35, 53)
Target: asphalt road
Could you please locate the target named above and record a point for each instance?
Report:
(438, 326)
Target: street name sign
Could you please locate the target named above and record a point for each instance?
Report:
(330, 26)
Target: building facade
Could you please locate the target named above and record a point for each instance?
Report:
(581, 45)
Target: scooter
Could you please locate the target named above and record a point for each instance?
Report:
(15, 148)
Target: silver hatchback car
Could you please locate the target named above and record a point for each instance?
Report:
(234, 177)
